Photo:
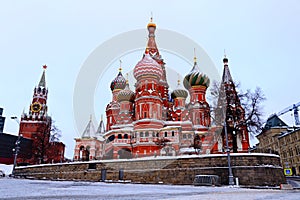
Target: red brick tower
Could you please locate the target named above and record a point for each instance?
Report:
(113, 108)
(163, 87)
(196, 83)
(36, 125)
(148, 101)
(126, 99)
(179, 95)
(238, 137)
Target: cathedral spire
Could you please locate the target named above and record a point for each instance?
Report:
(195, 58)
(42, 82)
(151, 44)
(226, 78)
(89, 131)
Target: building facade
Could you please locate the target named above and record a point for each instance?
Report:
(150, 120)
(36, 125)
(2, 120)
(280, 139)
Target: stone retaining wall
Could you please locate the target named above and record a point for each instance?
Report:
(251, 169)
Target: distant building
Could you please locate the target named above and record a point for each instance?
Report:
(2, 120)
(289, 143)
(8, 143)
(278, 138)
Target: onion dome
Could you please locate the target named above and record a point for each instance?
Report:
(126, 94)
(151, 23)
(119, 82)
(195, 77)
(179, 92)
(225, 60)
(147, 67)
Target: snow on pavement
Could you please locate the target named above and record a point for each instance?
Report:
(40, 189)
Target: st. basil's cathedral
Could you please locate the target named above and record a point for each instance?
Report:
(150, 121)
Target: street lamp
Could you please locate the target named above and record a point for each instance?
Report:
(230, 176)
(16, 119)
(16, 150)
(17, 146)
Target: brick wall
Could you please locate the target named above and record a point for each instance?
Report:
(251, 169)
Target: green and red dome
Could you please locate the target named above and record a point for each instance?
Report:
(195, 78)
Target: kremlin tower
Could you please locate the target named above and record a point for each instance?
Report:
(148, 121)
(36, 126)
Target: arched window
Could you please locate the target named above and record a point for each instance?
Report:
(173, 133)
(141, 134)
(119, 136)
(166, 134)
(110, 138)
(126, 136)
(146, 134)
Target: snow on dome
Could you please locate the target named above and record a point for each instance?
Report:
(147, 67)
(179, 92)
(118, 83)
(195, 78)
(126, 94)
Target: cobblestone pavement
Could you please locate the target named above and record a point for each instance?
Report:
(39, 189)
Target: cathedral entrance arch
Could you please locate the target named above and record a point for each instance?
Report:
(84, 153)
(124, 153)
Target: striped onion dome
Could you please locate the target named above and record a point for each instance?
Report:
(126, 94)
(118, 83)
(179, 92)
(195, 78)
(147, 67)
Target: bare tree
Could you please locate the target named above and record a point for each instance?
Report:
(55, 133)
(250, 101)
(164, 143)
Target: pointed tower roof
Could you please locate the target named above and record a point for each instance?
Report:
(274, 121)
(42, 82)
(89, 131)
(151, 44)
(226, 78)
(101, 128)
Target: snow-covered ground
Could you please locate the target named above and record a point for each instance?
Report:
(38, 189)
(7, 169)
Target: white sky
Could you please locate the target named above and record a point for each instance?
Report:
(261, 39)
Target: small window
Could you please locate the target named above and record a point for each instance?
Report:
(126, 136)
(166, 134)
(146, 134)
(184, 136)
(157, 134)
(142, 134)
(119, 136)
(173, 133)
(189, 136)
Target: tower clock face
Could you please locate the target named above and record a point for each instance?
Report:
(36, 107)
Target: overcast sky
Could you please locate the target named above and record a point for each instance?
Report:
(261, 39)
